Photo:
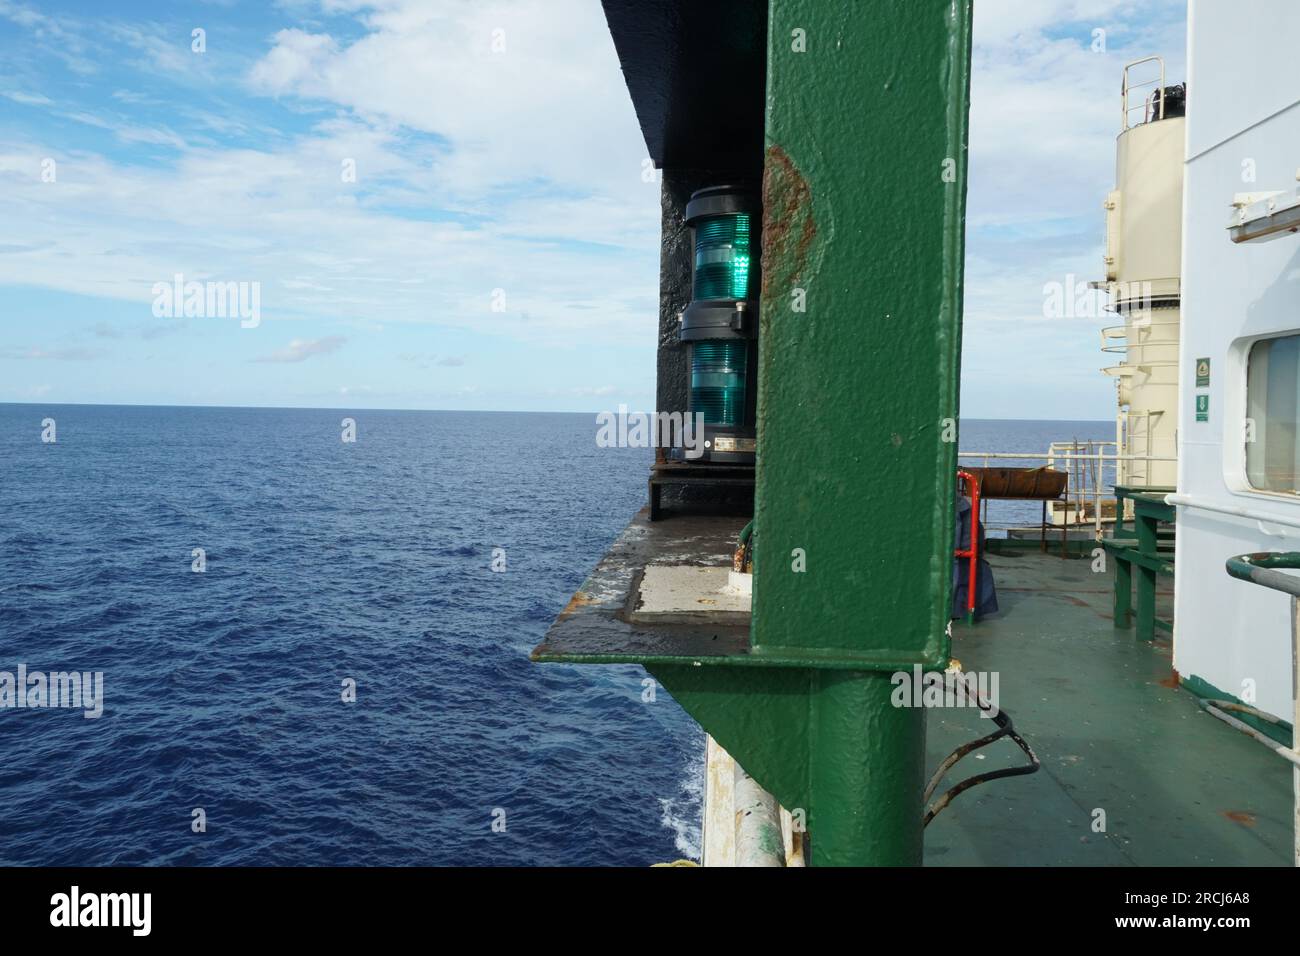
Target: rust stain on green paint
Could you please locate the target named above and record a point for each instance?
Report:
(788, 224)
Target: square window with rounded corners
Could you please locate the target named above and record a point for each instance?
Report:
(1272, 411)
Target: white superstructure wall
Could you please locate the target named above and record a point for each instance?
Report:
(1243, 136)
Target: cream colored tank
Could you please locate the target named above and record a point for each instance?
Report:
(1143, 279)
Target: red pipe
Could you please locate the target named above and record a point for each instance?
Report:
(973, 551)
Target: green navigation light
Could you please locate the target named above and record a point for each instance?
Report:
(722, 251)
(718, 381)
(719, 326)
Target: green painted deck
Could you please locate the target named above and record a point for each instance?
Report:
(1100, 708)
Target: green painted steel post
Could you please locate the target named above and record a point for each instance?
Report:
(1148, 534)
(1123, 592)
(1148, 539)
(864, 205)
(867, 773)
(1146, 604)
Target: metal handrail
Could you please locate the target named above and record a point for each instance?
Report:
(1199, 503)
(1099, 456)
(1128, 347)
(1097, 480)
(1265, 568)
(1261, 567)
(1127, 87)
(1105, 329)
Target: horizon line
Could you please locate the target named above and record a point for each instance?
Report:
(483, 411)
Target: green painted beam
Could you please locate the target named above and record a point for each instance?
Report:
(864, 199)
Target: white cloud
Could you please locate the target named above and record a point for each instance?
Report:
(300, 350)
(551, 106)
(295, 65)
(27, 99)
(72, 354)
(479, 170)
(475, 171)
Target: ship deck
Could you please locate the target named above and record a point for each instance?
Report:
(1102, 710)
(1114, 732)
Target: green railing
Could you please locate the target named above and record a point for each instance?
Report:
(1267, 569)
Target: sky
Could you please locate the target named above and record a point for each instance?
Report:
(441, 204)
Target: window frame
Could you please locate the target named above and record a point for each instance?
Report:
(1236, 404)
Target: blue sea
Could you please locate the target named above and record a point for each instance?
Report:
(328, 563)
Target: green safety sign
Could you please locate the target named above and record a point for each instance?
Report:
(1202, 408)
